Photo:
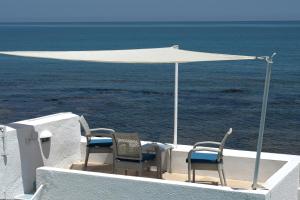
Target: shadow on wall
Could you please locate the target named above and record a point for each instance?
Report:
(2, 144)
(30, 154)
(46, 144)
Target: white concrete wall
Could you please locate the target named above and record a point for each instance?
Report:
(10, 166)
(64, 146)
(284, 184)
(72, 184)
(26, 152)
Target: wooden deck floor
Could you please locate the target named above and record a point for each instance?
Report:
(235, 184)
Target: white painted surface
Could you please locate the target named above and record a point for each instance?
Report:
(72, 184)
(47, 119)
(175, 104)
(10, 168)
(64, 147)
(284, 184)
(26, 151)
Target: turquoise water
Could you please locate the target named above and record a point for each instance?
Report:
(139, 98)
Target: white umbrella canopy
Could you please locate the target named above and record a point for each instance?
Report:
(163, 55)
(153, 55)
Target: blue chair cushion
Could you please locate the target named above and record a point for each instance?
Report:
(146, 157)
(203, 157)
(100, 142)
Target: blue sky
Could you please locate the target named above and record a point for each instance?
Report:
(147, 10)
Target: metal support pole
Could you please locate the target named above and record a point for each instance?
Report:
(262, 118)
(175, 104)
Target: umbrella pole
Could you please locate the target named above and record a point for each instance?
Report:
(175, 104)
(262, 119)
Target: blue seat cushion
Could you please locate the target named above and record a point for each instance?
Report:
(146, 157)
(100, 142)
(203, 157)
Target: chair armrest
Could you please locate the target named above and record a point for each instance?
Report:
(206, 142)
(102, 129)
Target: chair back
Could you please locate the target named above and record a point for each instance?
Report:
(127, 146)
(84, 125)
(221, 147)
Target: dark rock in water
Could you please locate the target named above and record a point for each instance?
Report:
(53, 99)
(233, 90)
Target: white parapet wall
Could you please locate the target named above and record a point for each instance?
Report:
(284, 184)
(52, 140)
(72, 184)
(10, 166)
(279, 173)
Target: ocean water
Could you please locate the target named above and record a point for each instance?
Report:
(139, 98)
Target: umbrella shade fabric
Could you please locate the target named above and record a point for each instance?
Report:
(153, 55)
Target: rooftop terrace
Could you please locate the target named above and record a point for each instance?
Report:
(56, 164)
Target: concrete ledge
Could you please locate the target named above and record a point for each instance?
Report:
(47, 119)
(72, 184)
(283, 185)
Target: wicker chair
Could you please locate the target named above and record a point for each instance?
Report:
(99, 140)
(210, 159)
(129, 154)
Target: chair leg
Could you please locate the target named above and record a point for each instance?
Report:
(159, 172)
(87, 153)
(116, 167)
(223, 173)
(194, 175)
(189, 172)
(113, 165)
(220, 175)
(140, 169)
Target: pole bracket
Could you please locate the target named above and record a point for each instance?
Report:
(268, 59)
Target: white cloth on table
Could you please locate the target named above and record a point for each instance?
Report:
(165, 153)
